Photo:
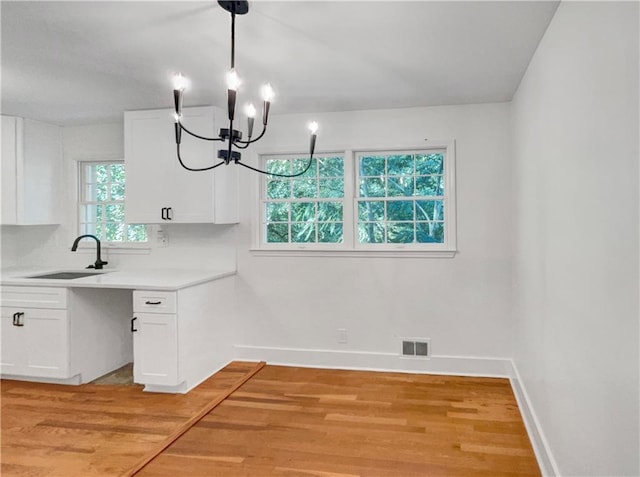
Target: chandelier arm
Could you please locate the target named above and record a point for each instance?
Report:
(191, 168)
(278, 175)
(241, 146)
(198, 136)
(251, 141)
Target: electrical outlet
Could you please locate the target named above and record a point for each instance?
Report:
(343, 337)
(162, 239)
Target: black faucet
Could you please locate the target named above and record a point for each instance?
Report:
(99, 263)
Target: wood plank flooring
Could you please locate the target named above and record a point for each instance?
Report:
(284, 421)
(325, 423)
(94, 430)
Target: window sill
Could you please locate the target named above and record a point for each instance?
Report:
(260, 252)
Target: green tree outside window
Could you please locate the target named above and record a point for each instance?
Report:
(304, 209)
(102, 204)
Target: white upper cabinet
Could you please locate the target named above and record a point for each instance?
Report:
(31, 172)
(158, 188)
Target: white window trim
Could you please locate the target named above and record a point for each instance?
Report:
(88, 246)
(280, 248)
(349, 247)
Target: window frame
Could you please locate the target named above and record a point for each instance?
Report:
(350, 245)
(427, 246)
(81, 182)
(262, 199)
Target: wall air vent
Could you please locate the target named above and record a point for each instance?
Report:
(416, 348)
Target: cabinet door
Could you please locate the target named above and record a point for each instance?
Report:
(9, 171)
(47, 342)
(39, 181)
(147, 138)
(155, 349)
(31, 172)
(38, 348)
(155, 180)
(13, 352)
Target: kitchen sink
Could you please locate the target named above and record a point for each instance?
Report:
(66, 275)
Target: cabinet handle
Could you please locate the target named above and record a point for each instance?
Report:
(169, 213)
(16, 319)
(164, 213)
(152, 302)
(133, 330)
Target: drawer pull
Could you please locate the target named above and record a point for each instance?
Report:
(152, 302)
(16, 318)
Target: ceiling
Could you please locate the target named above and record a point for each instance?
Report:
(81, 62)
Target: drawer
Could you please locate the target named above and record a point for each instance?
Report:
(154, 302)
(34, 297)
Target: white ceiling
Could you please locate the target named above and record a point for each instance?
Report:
(87, 61)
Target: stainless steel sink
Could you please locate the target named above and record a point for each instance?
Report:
(66, 275)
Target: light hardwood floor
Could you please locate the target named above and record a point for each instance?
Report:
(284, 421)
(94, 430)
(308, 422)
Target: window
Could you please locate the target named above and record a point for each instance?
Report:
(401, 197)
(308, 208)
(361, 202)
(101, 205)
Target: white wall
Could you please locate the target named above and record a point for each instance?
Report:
(575, 182)
(462, 304)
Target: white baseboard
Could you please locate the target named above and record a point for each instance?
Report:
(546, 461)
(370, 361)
(72, 381)
(155, 388)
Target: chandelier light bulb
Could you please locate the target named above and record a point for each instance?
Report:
(180, 83)
(267, 93)
(313, 127)
(233, 80)
(250, 110)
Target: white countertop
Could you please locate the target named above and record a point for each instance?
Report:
(138, 279)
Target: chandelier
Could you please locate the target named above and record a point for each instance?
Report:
(233, 137)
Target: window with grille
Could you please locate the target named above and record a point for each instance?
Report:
(401, 197)
(361, 201)
(102, 203)
(307, 209)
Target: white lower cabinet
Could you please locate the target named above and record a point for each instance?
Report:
(35, 340)
(13, 350)
(155, 349)
(63, 335)
(72, 335)
(181, 337)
